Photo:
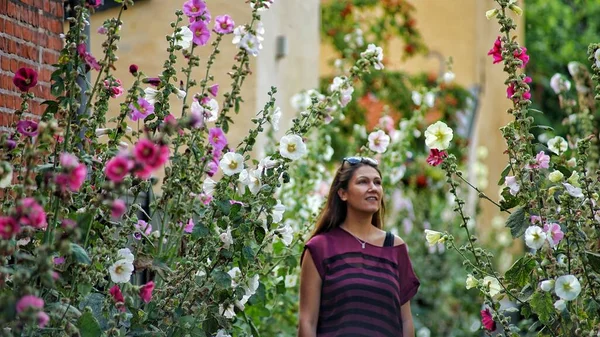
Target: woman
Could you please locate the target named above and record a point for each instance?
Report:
(357, 280)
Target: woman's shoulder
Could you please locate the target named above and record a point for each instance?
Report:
(398, 241)
(321, 238)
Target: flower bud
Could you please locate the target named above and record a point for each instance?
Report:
(572, 162)
(491, 13)
(516, 9)
(547, 285)
(555, 176)
(133, 69)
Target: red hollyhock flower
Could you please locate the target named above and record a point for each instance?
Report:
(25, 79)
(436, 157)
(487, 320)
(496, 51)
(146, 291)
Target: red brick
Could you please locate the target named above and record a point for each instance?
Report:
(49, 57)
(55, 43)
(5, 62)
(46, 6)
(3, 4)
(44, 75)
(27, 34)
(9, 28)
(12, 10)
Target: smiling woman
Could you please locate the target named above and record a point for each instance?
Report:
(356, 278)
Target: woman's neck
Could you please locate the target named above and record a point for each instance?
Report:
(359, 224)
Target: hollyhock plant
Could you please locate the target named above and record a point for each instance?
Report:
(232, 163)
(74, 173)
(141, 110)
(201, 33)
(89, 59)
(120, 271)
(184, 37)
(512, 184)
(149, 154)
(114, 88)
(224, 25)
(522, 55)
(27, 128)
(25, 79)
(542, 161)
(535, 237)
(558, 145)
(146, 292)
(116, 294)
(567, 287)
(511, 90)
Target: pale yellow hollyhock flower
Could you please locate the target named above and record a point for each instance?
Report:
(491, 13)
(438, 136)
(471, 281)
(433, 237)
(555, 176)
(491, 285)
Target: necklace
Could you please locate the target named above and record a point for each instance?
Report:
(362, 243)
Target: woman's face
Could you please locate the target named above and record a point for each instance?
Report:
(364, 191)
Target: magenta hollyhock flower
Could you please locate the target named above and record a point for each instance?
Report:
(29, 301)
(205, 198)
(496, 51)
(25, 79)
(77, 177)
(75, 173)
(214, 90)
(554, 233)
(133, 69)
(27, 128)
(153, 81)
(201, 33)
(436, 157)
(116, 294)
(117, 168)
(522, 55)
(87, 57)
(8, 227)
(142, 227)
(118, 208)
(212, 167)
(114, 88)
(150, 154)
(59, 260)
(146, 291)
(224, 24)
(189, 227)
(510, 91)
(30, 213)
(216, 138)
(102, 30)
(487, 320)
(142, 110)
(194, 8)
(42, 319)
(10, 144)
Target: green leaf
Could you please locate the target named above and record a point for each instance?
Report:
(543, 127)
(79, 254)
(222, 279)
(84, 288)
(593, 261)
(520, 272)
(259, 234)
(504, 174)
(517, 222)
(88, 326)
(541, 304)
(253, 328)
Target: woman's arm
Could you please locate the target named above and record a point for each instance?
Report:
(310, 297)
(408, 328)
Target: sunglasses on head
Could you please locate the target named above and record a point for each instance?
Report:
(356, 160)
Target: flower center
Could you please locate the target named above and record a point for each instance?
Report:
(567, 287)
(119, 269)
(377, 141)
(194, 9)
(291, 147)
(233, 165)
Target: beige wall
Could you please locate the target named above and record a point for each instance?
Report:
(459, 29)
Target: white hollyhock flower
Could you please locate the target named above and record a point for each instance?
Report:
(448, 77)
(234, 273)
(346, 96)
(534, 237)
(292, 147)
(547, 285)
(251, 44)
(433, 237)
(567, 287)
(275, 117)
(278, 211)
(416, 98)
(378, 141)
(6, 174)
(429, 99)
(300, 101)
(573, 191)
(560, 305)
(511, 182)
(597, 56)
(125, 254)
(120, 271)
(266, 163)
(238, 33)
(492, 285)
(253, 284)
(555, 176)
(337, 83)
(181, 94)
(287, 234)
(226, 238)
(438, 136)
(184, 37)
(376, 53)
(222, 333)
(559, 84)
(264, 5)
(209, 110)
(558, 145)
(251, 179)
(150, 95)
(471, 281)
(208, 187)
(228, 312)
(232, 163)
(291, 280)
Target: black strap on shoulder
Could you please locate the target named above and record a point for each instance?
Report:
(389, 239)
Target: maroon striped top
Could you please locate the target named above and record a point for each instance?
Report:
(362, 289)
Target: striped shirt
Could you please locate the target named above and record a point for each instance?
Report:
(362, 289)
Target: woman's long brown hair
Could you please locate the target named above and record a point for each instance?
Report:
(335, 210)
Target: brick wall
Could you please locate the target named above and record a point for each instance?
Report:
(29, 37)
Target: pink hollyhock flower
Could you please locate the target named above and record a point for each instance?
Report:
(117, 168)
(522, 55)
(496, 51)
(27, 128)
(217, 139)
(235, 202)
(8, 227)
(74, 174)
(114, 88)
(77, 177)
(212, 167)
(59, 260)
(142, 110)
(94, 3)
(487, 320)
(29, 301)
(214, 90)
(205, 198)
(142, 227)
(146, 291)
(436, 157)
(68, 160)
(25, 79)
(201, 33)
(510, 91)
(116, 294)
(42, 319)
(150, 154)
(194, 8)
(224, 25)
(102, 30)
(87, 57)
(30, 213)
(553, 233)
(535, 219)
(189, 227)
(118, 208)
(542, 160)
